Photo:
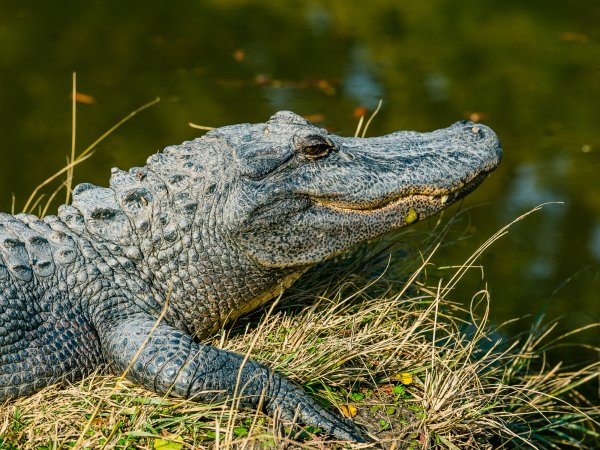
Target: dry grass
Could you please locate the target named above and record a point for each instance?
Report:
(40, 202)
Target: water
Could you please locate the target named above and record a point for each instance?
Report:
(531, 70)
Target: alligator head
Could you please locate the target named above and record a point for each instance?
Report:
(305, 195)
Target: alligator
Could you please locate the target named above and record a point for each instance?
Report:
(131, 277)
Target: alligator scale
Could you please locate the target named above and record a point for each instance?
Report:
(206, 231)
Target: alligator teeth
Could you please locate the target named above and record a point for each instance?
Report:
(443, 199)
(431, 197)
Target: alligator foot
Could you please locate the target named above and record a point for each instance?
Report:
(169, 361)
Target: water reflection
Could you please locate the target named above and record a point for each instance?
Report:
(530, 70)
(360, 82)
(437, 87)
(527, 191)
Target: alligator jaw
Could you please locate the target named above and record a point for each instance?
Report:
(431, 202)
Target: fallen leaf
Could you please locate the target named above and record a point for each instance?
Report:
(239, 55)
(404, 378)
(359, 111)
(80, 97)
(326, 87)
(476, 116)
(349, 410)
(315, 117)
(387, 388)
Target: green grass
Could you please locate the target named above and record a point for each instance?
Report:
(370, 335)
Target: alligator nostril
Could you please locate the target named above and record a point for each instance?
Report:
(477, 131)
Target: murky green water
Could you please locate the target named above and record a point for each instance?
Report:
(530, 69)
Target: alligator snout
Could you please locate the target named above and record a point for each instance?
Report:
(482, 137)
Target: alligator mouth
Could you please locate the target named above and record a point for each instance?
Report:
(437, 200)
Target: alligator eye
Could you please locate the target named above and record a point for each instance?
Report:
(316, 147)
(316, 150)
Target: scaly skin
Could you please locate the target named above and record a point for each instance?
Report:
(205, 232)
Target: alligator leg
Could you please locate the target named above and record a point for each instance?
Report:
(170, 361)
